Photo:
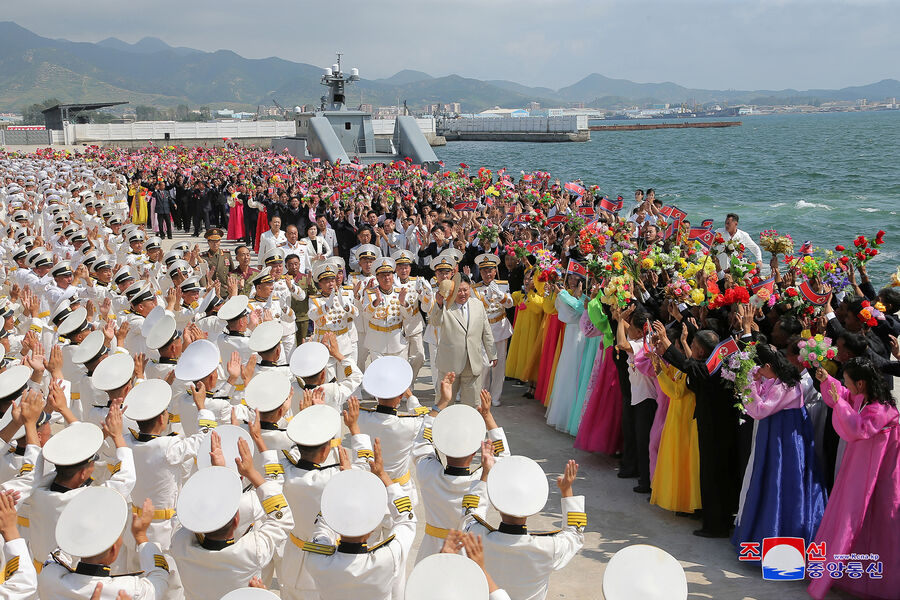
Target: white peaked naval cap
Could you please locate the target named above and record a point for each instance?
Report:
(149, 399)
(387, 377)
(314, 425)
(354, 502)
(266, 336)
(229, 436)
(161, 333)
(267, 391)
(643, 572)
(458, 431)
(74, 321)
(14, 379)
(309, 359)
(74, 444)
(92, 522)
(89, 348)
(197, 361)
(114, 372)
(250, 593)
(447, 577)
(517, 486)
(152, 319)
(234, 307)
(209, 499)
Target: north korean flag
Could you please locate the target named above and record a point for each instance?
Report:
(576, 268)
(586, 211)
(811, 295)
(704, 236)
(557, 220)
(575, 188)
(806, 248)
(719, 354)
(608, 205)
(463, 206)
(707, 224)
(391, 182)
(534, 247)
(768, 284)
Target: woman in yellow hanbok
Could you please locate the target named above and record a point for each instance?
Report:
(526, 330)
(138, 195)
(676, 480)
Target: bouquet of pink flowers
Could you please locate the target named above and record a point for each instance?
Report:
(815, 351)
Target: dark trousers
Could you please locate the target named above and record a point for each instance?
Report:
(165, 223)
(250, 218)
(220, 214)
(628, 461)
(183, 217)
(720, 481)
(202, 215)
(643, 422)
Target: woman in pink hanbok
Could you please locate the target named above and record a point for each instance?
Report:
(863, 513)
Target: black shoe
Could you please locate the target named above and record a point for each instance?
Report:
(626, 474)
(705, 533)
(528, 395)
(641, 489)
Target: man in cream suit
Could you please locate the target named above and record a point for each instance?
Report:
(464, 340)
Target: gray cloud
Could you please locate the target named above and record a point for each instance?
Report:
(722, 44)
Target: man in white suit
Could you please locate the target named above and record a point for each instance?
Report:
(464, 341)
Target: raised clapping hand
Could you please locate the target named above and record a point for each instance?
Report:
(564, 482)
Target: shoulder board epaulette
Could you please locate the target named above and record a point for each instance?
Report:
(381, 543)
(413, 278)
(545, 533)
(134, 574)
(484, 523)
(367, 409)
(288, 456)
(418, 411)
(501, 281)
(324, 549)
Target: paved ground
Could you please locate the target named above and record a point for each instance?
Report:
(617, 517)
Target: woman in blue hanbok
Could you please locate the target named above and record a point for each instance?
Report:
(783, 493)
(570, 306)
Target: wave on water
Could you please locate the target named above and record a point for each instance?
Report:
(805, 204)
(869, 210)
(777, 204)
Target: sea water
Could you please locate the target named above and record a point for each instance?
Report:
(821, 177)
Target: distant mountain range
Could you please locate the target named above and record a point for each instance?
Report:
(34, 68)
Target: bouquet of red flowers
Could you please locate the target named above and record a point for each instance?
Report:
(863, 249)
(518, 248)
(734, 295)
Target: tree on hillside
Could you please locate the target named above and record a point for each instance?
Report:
(32, 115)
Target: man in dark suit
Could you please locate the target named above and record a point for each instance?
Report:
(203, 198)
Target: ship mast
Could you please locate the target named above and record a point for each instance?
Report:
(334, 80)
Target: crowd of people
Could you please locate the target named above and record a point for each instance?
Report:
(200, 398)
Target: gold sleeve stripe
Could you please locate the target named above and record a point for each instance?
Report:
(403, 504)
(498, 446)
(274, 469)
(12, 565)
(159, 561)
(427, 433)
(471, 501)
(576, 519)
(365, 453)
(207, 423)
(325, 549)
(273, 503)
(113, 469)
(26, 468)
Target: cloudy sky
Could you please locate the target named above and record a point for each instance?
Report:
(718, 44)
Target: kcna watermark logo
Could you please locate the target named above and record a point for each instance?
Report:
(790, 559)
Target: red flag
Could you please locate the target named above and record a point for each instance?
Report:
(707, 224)
(461, 206)
(391, 182)
(507, 183)
(768, 284)
(463, 166)
(720, 353)
(575, 188)
(534, 246)
(704, 236)
(586, 211)
(576, 268)
(811, 295)
(557, 219)
(608, 205)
